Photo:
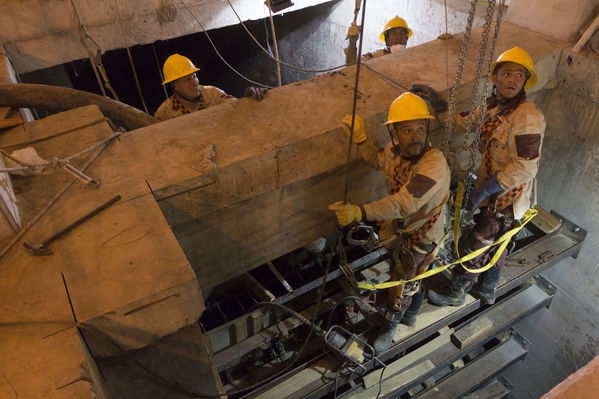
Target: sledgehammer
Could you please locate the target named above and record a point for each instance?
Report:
(43, 248)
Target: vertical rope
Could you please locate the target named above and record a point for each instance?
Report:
(353, 117)
(274, 41)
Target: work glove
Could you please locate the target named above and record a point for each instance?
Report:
(354, 30)
(257, 93)
(359, 134)
(431, 96)
(477, 195)
(346, 212)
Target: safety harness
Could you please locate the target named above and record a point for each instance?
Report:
(397, 185)
(486, 132)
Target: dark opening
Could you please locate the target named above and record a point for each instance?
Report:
(303, 39)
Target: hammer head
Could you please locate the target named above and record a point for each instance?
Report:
(37, 249)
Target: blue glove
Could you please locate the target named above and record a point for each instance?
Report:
(478, 195)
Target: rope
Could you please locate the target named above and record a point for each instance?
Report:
(120, 19)
(503, 241)
(56, 197)
(386, 78)
(276, 59)
(355, 102)
(274, 40)
(219, 54)
(57, 162)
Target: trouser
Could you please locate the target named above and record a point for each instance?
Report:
(411, 263)
(487, 229)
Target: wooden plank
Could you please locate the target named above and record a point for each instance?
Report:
(4, 111)
(51, 126)
(406, 361)
(480, 370)
(10, 122)
(390, 384)
(279, 276)
(501, 315)
(257, 288)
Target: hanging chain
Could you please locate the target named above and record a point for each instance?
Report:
(454, 92)
(477, 96)
(491, 57)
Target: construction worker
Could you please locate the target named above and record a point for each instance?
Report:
(188, 95)
(510, 143)
(418, 179)
(395, 35)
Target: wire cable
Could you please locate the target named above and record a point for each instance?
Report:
(355, 103)
(386, 78)
(274, 41)
(278, 60)
(219, 54)
(141, 96)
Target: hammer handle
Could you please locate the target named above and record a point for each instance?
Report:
(80, 221)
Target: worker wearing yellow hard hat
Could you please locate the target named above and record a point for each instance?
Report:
(188, 95)
(510, 144)
(395, 35)
(413, 213)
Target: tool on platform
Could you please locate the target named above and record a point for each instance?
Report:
(43, 248)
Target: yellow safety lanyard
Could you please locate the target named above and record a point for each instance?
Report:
(503, 240)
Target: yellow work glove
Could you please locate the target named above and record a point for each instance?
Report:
(346, 213)
(359, 134)
(354, 30)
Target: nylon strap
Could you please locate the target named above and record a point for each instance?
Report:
(503, 240)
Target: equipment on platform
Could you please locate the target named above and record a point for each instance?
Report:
(176, 66)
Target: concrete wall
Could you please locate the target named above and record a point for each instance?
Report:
(566, 336)
(561, 19)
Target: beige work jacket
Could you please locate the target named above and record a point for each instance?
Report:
(210, 96)
(515, 150)
(425, 191)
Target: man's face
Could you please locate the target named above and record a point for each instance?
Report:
(411, 136)
(188, 86)
(509, 79)
(396, 36)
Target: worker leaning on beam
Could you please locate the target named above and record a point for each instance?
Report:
(510, 143)
(418, 180)
(188, 95)
(395, 35)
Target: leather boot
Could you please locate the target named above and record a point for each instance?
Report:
(487, 282)
(409, 318)
(386, 332)
(458, 288)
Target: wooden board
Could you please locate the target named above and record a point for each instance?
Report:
(479, 370)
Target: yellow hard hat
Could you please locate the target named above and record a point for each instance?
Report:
(521, 57)
(408, 107)
(176, 66)
(396, 22)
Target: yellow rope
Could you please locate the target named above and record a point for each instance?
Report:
(503, 240)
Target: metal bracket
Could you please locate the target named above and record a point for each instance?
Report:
(521, 339)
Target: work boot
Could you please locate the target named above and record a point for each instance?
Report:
(386, 332)
(487, 282)
(458, 288)
(409, 318)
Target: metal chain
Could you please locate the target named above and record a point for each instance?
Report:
(484, 96)
(454, 92)
(476, 101)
